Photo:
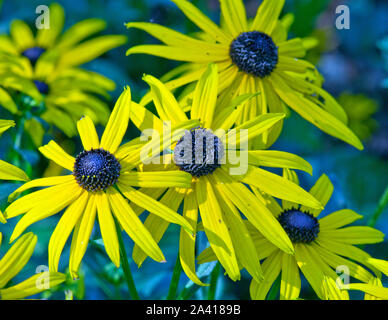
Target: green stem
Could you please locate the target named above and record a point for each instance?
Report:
(175, 279)
(125, 265)
(380, 208)
(213, 282)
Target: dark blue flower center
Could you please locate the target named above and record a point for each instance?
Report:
(96, 170)
(33, 54)
(199, 152)
(42, 86)
(300, 226)
(255, 53)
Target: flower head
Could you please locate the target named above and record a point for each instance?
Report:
(40, 75)
(252, 56)
(323, 246)
(14, 261)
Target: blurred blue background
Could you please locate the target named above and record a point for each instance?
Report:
(353, 62)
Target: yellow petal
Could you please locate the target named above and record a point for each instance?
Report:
(202, 21)
(10, 172)
(154, 206)
(240, 235)
(314, 114)
(177, 39)
(63, 229)
(178, 53)
(354, 235)
(215, 228)
(81, 241)
(17, 257)
(338, 219)
(382, 265)
(47, 207)
(80, 31)
(255, 211)
(234, 15)
(310, 269)
(187, 241)
(33, 285)
(133, 226)
(254, 128)
(156, 225)
(7, 103)
(91, 49)
(165, 103)
(88, 133)
(290, 283)
(205, 96)
(42, 182)
(118, 122)
(278, 159)
(156, 179)
(55, 153)
(46, 37)
(279, 187)
(108, 228)
(271, 269)
(21, 35)
(267, 16)
(322, 191)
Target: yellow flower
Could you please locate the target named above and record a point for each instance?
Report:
(322, 247)
(90, 190)
(44, 69)
(218, 190)
(14, 261)
(70, 46)
(252, 57)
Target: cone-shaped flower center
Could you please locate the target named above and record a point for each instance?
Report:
(96, 170)
(33, 54)
(255, 53)
(42, 86)
(198, 152)
(300, 226)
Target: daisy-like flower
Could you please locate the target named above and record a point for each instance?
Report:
(44, 69)
(95, 186)
(253, 56)
(14, 261)
(216, 191)
(58, 96)
(322, 247)
(71, 48)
